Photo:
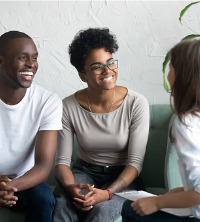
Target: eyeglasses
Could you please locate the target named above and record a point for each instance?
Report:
(99, 68)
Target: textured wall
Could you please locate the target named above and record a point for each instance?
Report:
(145, 31)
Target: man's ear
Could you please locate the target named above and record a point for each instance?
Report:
(82, 76)
(2, 62)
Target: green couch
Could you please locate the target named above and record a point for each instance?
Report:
(160, 171)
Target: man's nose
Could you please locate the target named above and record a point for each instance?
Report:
(30, 62)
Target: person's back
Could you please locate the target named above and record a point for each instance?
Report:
(184, 80)
(29, 119)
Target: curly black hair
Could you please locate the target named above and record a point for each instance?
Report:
(86, 40)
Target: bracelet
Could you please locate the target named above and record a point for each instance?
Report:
(109, 194)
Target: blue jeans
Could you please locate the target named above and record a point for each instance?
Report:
(101, 177)
(129, 215)
(37, 203)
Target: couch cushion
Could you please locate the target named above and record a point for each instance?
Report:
(172, 175)
(7, 215)
(154, 161)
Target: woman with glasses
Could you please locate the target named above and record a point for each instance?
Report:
(111, 126)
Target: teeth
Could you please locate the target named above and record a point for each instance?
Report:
(107, 79)
(26, 73)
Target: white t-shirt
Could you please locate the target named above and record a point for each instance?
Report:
(19, 125)
(188, 149)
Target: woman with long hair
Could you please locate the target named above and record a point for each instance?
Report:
(184, 79)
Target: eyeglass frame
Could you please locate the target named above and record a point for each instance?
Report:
(103, 66)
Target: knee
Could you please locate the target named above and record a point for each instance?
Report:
(43, 196)
(103, 212)
(62, 199)
(126, 205)
(47, 199)
(126, 209)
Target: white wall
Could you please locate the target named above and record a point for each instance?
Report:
(145, 30)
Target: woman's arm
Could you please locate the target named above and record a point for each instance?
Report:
(138, 135)
(182, 199)
(63, 171)
(175, 190)
(149, 205)
(124, 179)
(65, 177)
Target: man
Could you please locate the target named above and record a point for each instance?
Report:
(29, 119)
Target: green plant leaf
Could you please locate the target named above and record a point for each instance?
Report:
(188, 37)
(192, 36)
(166, 61)
(185, 9)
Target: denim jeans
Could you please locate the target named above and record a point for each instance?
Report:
(129, 215)
(100, 176)
(37, 203)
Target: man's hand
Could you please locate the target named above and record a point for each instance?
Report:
(7, 197)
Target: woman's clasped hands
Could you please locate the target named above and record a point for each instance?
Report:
(85, 196)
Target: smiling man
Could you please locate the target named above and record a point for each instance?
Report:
(30, 117)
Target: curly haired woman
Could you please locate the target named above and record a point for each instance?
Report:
(111, 125)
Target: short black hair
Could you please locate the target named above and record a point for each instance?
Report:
(9, 36)
(86, 40)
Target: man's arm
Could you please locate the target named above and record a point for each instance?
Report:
(45, 149)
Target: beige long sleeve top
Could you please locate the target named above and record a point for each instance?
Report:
(115, 138)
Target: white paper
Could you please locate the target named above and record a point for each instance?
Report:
(135, 195)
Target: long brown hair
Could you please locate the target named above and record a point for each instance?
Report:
(185, 59)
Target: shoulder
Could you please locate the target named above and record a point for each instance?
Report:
(69, 100)
(42, 93)
(135, 95)
(42, 99)
(137, 99)
(190, 123)
(69, 104)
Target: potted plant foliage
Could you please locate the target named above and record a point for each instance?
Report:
(167, 57)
